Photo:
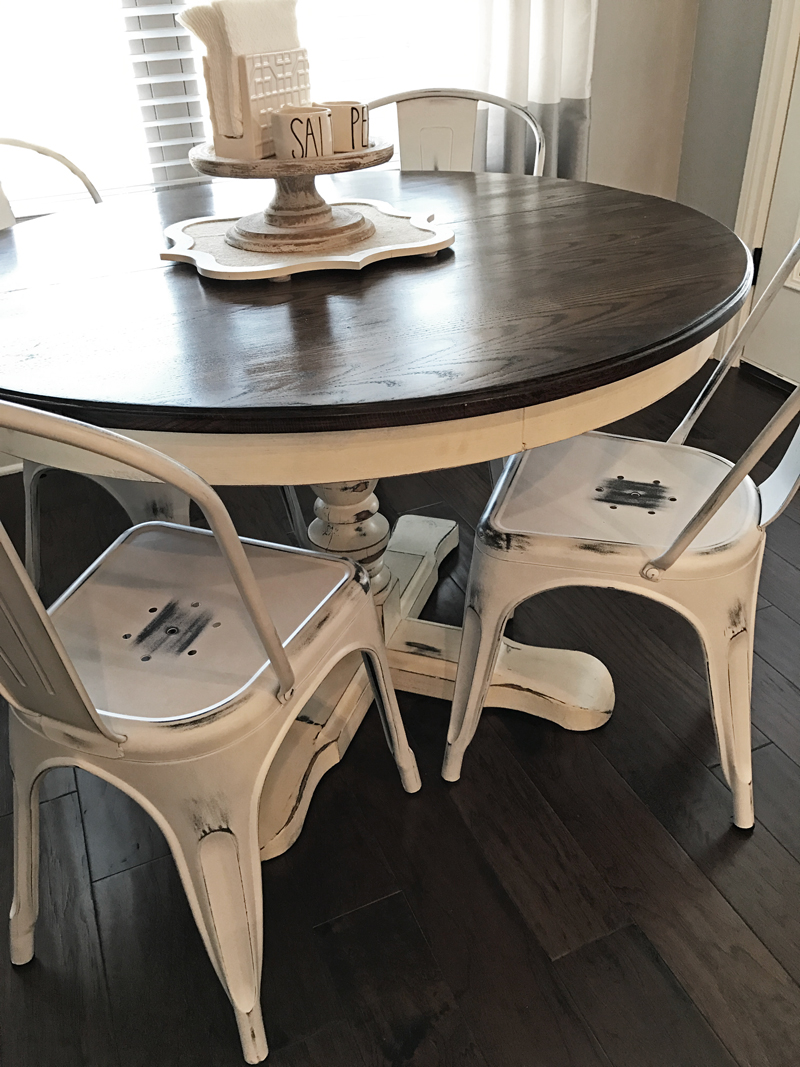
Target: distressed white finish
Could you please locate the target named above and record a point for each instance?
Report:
(669, 522)
(162, 671)
(205, 160)
(436, 127)
(318, 741)
(299, 230)
(348, 523)
(548, 526)
(570, 688)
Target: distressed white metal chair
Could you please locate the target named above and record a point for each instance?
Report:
(162, 671)
(673, 523)
(436, 129)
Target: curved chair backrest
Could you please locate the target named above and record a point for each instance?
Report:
(6, 215)
(437, 127)
(35, 671)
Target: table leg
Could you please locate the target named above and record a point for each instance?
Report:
(348, 523)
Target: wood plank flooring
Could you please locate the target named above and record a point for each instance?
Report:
(576, 900)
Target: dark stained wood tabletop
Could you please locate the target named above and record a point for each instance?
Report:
(552, 287)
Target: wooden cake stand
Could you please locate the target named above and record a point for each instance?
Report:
(299, 230)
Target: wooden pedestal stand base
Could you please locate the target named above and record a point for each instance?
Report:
(299, 230)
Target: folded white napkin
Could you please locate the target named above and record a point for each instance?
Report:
(233, 28)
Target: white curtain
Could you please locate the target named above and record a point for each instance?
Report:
(551, 48)
(537, 53)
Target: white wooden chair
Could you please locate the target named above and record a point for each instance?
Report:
(436, 129)
(673, 523)
(161, 671)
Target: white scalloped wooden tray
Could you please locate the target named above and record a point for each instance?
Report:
(202, 242)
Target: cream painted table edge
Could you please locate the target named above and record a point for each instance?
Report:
(570, 688)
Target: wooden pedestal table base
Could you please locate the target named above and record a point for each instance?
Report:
(570, 688)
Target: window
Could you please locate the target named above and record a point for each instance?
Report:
(83, 91)
(170, 87)
(74, 78)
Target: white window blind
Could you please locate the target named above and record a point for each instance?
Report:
(169, 86)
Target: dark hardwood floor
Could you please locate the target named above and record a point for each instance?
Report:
(576, 900)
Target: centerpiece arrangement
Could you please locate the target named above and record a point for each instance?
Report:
(267, 126)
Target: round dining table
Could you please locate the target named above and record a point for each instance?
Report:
(561, 306)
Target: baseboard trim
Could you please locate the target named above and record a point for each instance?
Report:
(768, 377)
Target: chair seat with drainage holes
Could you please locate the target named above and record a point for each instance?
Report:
(157, 629)
(632, 495)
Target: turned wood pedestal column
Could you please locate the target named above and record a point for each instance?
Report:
(348, 523)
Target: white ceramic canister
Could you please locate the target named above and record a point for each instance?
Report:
(350, 121)
(302, 132)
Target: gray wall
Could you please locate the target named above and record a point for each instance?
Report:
(729, 46)
(640, 88)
